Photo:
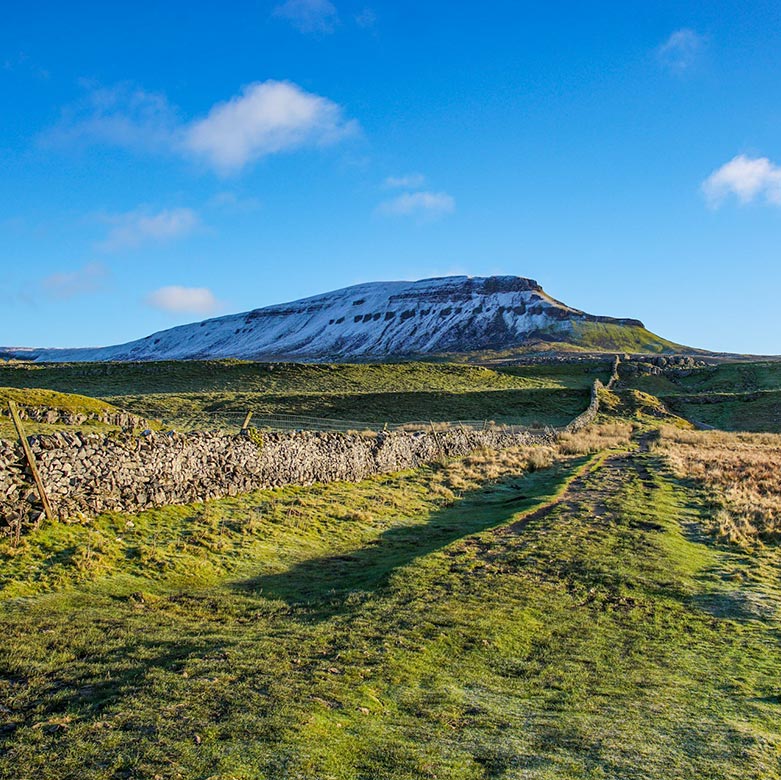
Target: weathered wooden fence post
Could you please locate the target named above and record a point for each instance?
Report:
(245, 424)
(28, 453)
(437, 441)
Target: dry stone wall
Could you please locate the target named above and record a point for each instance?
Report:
(585, 418)
(588, 416)
(52, 416)
(90, 473)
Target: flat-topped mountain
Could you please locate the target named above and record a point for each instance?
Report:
(452, 315)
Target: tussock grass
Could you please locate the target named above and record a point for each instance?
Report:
(743, 472)
(596, 438)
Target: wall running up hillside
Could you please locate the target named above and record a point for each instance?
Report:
(585, 418)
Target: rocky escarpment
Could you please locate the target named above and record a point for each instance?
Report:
(92, 473)
(378, 321)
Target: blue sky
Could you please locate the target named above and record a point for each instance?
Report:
(162, 162)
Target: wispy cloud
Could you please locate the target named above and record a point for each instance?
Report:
(681, 50)
(230, 201)
(747, 178)
(184, 300)
(423, 205)
(408, 181)
(367, 18)
(318, 17)
(265, 118)
(90, 278)
(122, 115)
(21, 62)
(140, 226)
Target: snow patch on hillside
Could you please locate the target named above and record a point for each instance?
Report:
(374, 320)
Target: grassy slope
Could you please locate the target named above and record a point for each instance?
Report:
(729, 396)
(181, 392)
(721, 378)
(737, 412)
(520, 407)
(587, 337)
(111, 379)
(620, 338)
(54, 400)
(389, 630)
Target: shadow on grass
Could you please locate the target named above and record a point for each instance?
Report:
(322, 585)
(551, 406)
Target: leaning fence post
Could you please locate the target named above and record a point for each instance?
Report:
(436, 440)
(28, 453)
(245, 424)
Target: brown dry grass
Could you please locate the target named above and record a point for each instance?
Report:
(743, 472)
(486, 465)
(595, 438)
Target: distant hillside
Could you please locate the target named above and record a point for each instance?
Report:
(454, 315)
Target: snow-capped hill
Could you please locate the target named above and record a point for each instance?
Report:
(379, 320)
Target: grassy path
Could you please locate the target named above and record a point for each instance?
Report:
(569, 623)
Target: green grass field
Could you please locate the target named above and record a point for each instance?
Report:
(219, 393)
(573, 622)
(472, 619)
(555, 406)
(114, 379)
(729, 396)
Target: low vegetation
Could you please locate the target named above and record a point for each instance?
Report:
(216, 394)
(530, 614)
(605, 607)
(217, 376)
(743, 473)
(596, 438)
(611, 337)
(49, 399)
(584, 337)
(517, 407)
(740, 396)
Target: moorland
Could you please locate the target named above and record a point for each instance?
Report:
(603, 606)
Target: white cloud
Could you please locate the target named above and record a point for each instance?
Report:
(309, 16)
(88, 279)
(681, 50)
(745, 177)
(424, 205)
(408, 181)
(268, 117)
(265, 118)
(184, 300)
(137, 227)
